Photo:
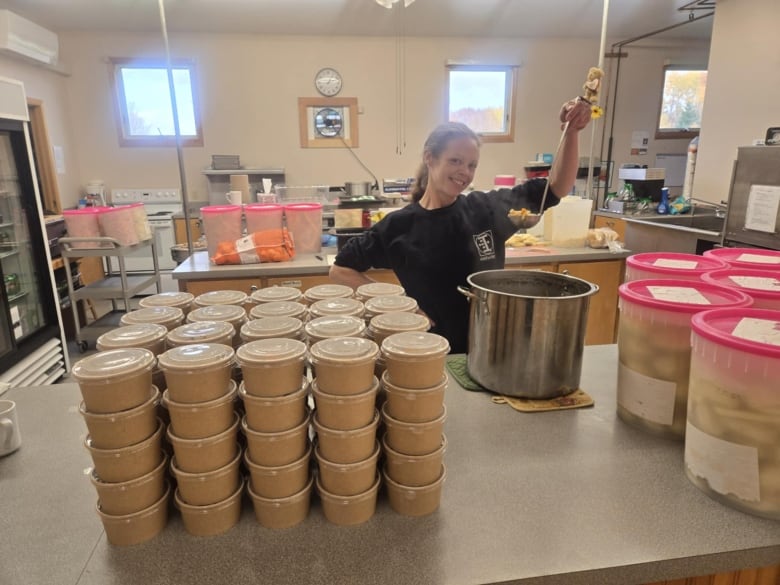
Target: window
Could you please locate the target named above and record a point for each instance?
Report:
(482, 97)
(681, 102)
(143, 103)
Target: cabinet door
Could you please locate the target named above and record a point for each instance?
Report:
(602, 313)
(180, 230)
(617, 224)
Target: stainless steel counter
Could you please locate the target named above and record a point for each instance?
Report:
(572, 497)
(198, 267)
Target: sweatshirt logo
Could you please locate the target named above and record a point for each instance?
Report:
(484, 244)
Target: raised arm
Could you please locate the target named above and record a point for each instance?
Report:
(348, 276)
(564, 170)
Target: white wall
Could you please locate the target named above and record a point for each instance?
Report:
(743, 87)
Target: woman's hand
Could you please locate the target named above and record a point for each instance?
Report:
(576, 112)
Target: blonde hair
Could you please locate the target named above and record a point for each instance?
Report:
(436, 143)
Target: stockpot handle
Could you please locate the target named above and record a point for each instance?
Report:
(471, 296)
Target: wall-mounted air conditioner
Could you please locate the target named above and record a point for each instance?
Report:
(19, 36)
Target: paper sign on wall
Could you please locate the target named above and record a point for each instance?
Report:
(762, 206)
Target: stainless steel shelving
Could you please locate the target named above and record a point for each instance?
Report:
(114, 287)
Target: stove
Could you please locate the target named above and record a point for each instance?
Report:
(160, 205)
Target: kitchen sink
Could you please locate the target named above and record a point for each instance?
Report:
(688, 233)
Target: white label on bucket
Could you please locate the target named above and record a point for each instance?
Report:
(678, 294)
(648, 398)
(759, 258)
(761, 330)
(757, 282)
(729, 468)
(668, 263)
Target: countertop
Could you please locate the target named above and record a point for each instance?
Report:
(198, 267)
(573, 497)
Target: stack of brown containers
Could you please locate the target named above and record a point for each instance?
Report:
(274, 392)
(344, 389)
(120, 409)
(200, 400)
(414, 413)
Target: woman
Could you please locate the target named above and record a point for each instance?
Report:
(440, 238)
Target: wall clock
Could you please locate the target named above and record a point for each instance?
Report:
(328, 81)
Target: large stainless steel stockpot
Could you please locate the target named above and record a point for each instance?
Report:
(527, 331)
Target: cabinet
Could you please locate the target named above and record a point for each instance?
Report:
(615, 223)
(113, 287)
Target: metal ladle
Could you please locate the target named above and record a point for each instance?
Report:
(530, 220)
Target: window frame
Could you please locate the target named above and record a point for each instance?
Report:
(509, 101)
(121, 115)
(688, 133)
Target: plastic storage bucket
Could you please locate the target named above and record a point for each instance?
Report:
(83, 223)
(756, 258)
(119, 223)
(670, 265)
(221, 223)
(733, 404)
(654, 349)
(762, 285)
(304, 220)
(263, 216)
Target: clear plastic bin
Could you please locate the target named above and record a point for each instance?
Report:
(304, 220)
(302, 194)
(263, 216)
(119, 223)
(83, 223)
(222, 223)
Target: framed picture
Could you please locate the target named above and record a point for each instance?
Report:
(772, 136)
(328, 122)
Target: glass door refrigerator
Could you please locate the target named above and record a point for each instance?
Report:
(31, 334)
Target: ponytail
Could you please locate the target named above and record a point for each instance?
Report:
(435, 144)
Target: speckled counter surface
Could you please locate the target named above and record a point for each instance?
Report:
(198, 267)
(572, 497)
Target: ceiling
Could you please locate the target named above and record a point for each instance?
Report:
(457, 18)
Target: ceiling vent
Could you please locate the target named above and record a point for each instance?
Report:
(21, 37)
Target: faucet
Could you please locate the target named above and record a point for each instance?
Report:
(720, 208)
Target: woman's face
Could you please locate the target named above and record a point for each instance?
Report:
(453, 170)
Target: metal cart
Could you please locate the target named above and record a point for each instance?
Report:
(115, 286)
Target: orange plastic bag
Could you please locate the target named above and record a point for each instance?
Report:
(264, 246)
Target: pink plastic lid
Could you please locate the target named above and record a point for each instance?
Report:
(672, 264)
(681, 296)
(756, 331)
(302, 206)
(760, 284)
(262, 207)
(84, 211)
(757, 258)
(212, 209)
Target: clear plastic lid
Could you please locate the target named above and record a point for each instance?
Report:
(379, 289)
(199, 355)
(265, 327)
(344, 350)
(278, 309)
(397, 321)
(140, 335)
(277, 293)
(414, 344)
(221, 297)
(201, 332)
(327, 291)
(389, 304)
(270, 352)
(161, 315)
(168, 299)
(230, 313)
(106, 366)
(335, 326)
(336, 306)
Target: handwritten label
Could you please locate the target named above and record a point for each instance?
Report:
(760, 330)
(648, 398)
(678, 294)
(729, 468)
(759, 258)
(757, 282)
(667, 263)
(761, 213)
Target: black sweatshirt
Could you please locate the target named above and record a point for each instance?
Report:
(433, 251)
